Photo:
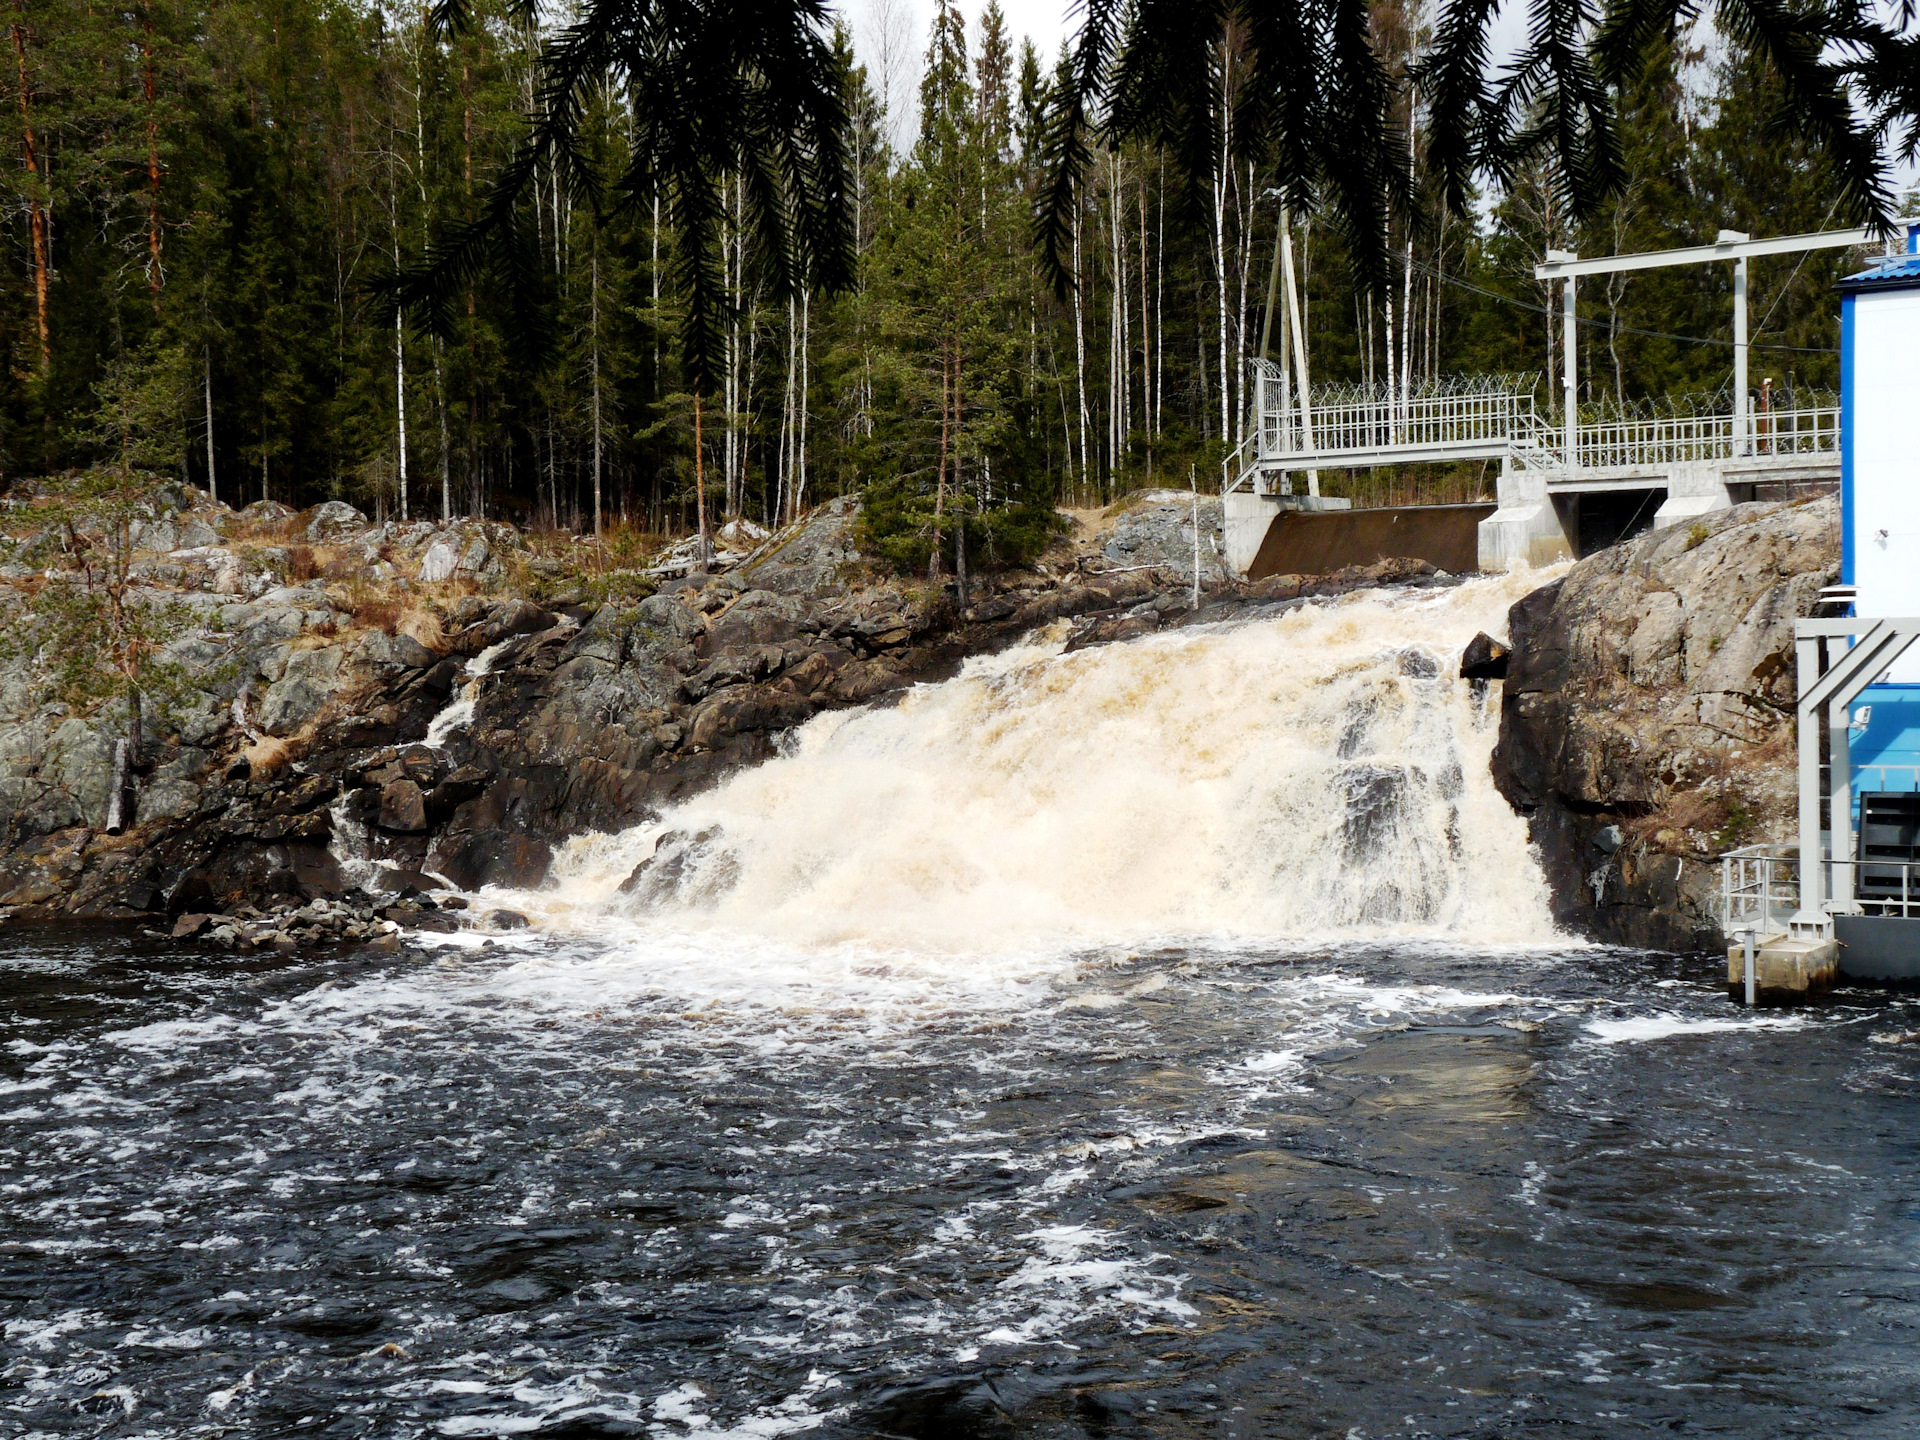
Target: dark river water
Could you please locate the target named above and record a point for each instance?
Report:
(1365, 1191)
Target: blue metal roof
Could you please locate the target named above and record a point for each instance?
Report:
(1896, 272)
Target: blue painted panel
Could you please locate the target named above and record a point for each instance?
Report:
(1884, 740)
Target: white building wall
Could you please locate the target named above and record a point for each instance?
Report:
(1884, 430)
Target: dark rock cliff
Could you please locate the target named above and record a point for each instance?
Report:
(304, 745)
(1647, 719)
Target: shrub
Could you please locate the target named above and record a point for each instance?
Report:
(896, 528)
(377, 612)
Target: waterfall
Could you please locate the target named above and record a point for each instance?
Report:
(457, 714)
(351, 844)
(1317, 773)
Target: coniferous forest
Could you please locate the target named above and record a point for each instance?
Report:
(207, 205)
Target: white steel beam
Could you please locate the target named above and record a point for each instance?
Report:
(1847, 673)
(1570, 352)
(1560, 269)
(1737, 238)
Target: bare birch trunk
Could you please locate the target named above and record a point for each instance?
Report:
(207, 379)
(446, 440)
(1220, 251)
(1146, 332)
(798, 493)
(1079, 343)
(940, 475)
(1159, 298)
(400, 403)
(155, 276)
(700, 485)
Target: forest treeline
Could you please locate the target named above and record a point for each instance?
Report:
(205, 200)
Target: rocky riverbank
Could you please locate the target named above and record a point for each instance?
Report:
(377, 710)
(1647, 721)
(380, 712)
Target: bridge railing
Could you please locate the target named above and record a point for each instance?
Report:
(1814, 430)
(1630, 443)
(1483, 415)
(1360, 419)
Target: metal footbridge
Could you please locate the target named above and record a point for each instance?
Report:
(1690, 458)
(1496, 418)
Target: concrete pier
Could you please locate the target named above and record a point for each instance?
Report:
(1787, 971)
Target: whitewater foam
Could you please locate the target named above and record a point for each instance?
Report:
(1321, 774)
(1664, 1026)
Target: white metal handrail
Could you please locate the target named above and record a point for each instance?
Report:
(1760, 888)
(1490, 415)
(1676, 439)
(1343, 420)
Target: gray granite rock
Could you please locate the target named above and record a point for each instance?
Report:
(303, 689)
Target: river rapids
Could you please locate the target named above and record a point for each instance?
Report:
(1167, 1038)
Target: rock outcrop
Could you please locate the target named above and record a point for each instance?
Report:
(1647, 719)
(370, 700)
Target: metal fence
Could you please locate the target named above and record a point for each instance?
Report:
(1486, 413)
(1629, 444)
(1360, 419)
(1760, 887)
(1884, 887)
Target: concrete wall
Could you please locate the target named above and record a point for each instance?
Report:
(1529, 528)
(1314, 543)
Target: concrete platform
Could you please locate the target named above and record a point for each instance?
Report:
(1786, 971)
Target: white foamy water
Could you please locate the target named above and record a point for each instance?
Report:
(1634, 1028)
(458, 713)
(1321, 774)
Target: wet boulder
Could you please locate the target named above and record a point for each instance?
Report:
(403, 809)
(1485, 658)
(685, 866)
(476, 857)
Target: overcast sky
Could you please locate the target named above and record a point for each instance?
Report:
(1048, 23)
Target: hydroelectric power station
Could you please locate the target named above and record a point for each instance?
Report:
(1845, 900)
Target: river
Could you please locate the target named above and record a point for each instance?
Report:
(1159, 1039)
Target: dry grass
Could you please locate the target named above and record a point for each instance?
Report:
(376, 612)
(421, 624)
(268, 753)
(1717, 805)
